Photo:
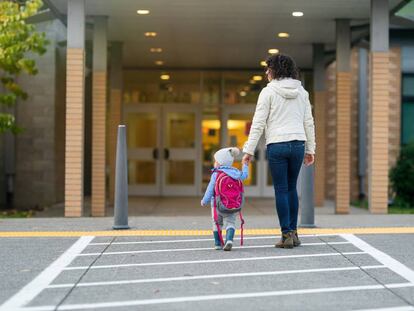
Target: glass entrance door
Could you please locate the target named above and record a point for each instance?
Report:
(181, 129)
(164, 143)
(144, 145)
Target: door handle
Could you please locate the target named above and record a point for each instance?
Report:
(155, 153)
(166, 153)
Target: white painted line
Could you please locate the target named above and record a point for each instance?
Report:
(402, 308)
(43, 280)
(146, 251)
(211, 276)
(383, 258)
(206, 298)
(399, 285)
(202, 240)
(167, 263)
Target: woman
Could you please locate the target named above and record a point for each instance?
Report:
(284, 112)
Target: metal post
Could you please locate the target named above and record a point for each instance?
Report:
(121, 182)
(307, 206)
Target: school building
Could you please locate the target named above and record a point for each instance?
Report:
(184, 77)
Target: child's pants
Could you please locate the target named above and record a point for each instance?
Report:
(230, 220)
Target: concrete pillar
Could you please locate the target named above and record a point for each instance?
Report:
(378, 108)
(75, 86)
(99, 78)
(115, 110)
(319, 100)
(343, 116)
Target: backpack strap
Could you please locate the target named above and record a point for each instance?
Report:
(241, 228)
(215, 214)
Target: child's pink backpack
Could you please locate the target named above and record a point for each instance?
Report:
(228, 199)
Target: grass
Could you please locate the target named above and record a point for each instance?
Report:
(395, 208)
(15, 214)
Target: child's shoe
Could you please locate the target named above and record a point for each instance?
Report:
(229, 239)
(217, 243)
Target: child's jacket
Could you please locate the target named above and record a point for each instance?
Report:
(229, 170)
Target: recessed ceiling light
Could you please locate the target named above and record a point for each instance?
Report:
(273, 51)
(155, 50)
(263, 63)
(143, 12)
(283, 35)
(165, 77)
(297, 14)
(150, 34)
(159, 62)
(257, 78)
(243, 93)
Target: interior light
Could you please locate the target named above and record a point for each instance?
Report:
(257, 78)
(156, 50)
(283, 35)
(159, 62)
(263, 63)
(251, 81)
(143, 12)
(297, 14)
(150, 34)
(165, 77)
(243, 93)
(273, 51)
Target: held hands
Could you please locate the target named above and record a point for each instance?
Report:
(309, 159)
(247, 159)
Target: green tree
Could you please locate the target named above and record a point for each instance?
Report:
(18, 41)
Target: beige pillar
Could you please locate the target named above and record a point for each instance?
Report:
(115, 110)
(319, 100)
(99, 91)
(343, 116)
(379, 108)
(75, 86)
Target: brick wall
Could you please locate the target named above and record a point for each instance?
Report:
(35, 153)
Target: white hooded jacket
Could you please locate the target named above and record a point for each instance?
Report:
(284, 112)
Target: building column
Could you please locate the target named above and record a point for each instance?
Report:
(75, 108)
(378, 108)
(319, 101)
(99, 77)
(343, 116)
(115, 110)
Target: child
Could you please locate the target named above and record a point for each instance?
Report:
(224, 159)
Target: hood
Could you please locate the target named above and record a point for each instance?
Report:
(231, 171)
(287, 88)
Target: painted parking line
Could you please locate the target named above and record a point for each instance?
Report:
(213, 276)
(205, 261)
(385, 259)
(193, 240)
(43, 280)
(183, 299)
(169, 250)
(402, 308)
(302, 231)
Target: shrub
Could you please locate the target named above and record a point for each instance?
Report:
(402, 176)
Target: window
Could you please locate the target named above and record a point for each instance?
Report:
(407, 109)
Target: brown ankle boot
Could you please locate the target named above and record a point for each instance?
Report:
(286, 241)
(296, 241)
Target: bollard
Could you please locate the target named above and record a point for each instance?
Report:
(307, 212)
(121, 182)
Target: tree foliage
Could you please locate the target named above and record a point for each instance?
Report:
(18, 41)
(402, 175)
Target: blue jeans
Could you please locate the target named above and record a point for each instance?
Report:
(285, 161)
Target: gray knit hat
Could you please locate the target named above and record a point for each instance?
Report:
(225, 156)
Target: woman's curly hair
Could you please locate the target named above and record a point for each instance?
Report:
(282, 66)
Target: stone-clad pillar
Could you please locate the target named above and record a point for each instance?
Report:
(378, 108)
(319, 101)
(99, 90)
(343, 116)
(115, 110)
(75, 107)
